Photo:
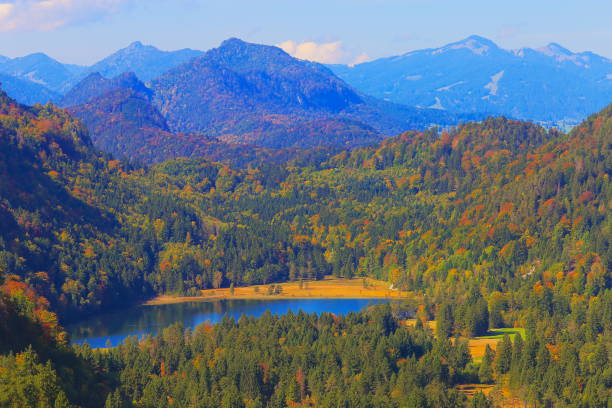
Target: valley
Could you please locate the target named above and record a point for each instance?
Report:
(491, 224)
(248, 228)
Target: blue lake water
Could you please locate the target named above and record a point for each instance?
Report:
(114, 327)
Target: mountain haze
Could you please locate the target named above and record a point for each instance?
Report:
(549, 84)
(146, 61)
(41, 69)
(27, 91)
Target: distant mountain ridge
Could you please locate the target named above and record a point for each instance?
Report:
(471, 75)
(150, 105)
(117, 111)
(250, 93)
(254, 91)
(27, 92)
(95, 85)
(40, 69)
(147, 62)
(238, 94)
(550, 84)
(123, 121)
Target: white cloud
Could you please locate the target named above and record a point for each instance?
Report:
(5, 10)
(361, 58)
(327, 53)
(44, 15)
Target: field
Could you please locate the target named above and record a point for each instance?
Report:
(471, 389)
(328, 288)
(478, 345)
(412, 322)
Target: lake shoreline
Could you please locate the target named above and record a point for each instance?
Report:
(327, 288)
(112, 329)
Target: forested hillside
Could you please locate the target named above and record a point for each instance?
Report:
(298, 360)
(60, 234)
(86, 231)
(503, 204)
(493, 224)
(38, 367)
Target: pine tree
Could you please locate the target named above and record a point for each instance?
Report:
(444, 321)
(485, 372)
(517, 350)
(504, 356)
(61, 401)
(113, 400)
(479, 400)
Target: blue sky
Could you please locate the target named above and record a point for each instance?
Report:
(84, 31)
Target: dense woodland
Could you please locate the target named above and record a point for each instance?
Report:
(493, 224)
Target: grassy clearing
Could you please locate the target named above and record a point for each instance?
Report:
(500, 333)
(477, 345)
(501, 394)
(328, 288)
(412, 323)
(471, 389)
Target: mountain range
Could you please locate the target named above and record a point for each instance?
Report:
(472, 75)
(123, 121)
(151, 105)
(551, 85)
(145, 61)
(234, 95)
(26, 91)
(499, 224)
(243, 92)
(42, 70)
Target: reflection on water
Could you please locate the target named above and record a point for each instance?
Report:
(141, 320)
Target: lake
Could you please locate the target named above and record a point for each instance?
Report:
(114, 327)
